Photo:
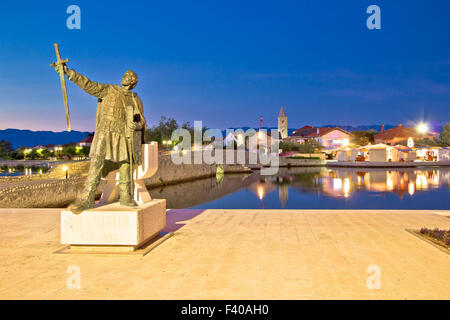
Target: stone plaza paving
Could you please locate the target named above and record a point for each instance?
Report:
(235, 254)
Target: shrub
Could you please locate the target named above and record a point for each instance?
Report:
(447, 238)
(438, 234)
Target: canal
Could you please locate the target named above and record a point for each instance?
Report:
(316, 188)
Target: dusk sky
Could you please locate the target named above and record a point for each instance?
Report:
(228, 62)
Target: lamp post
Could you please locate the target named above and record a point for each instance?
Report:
(422, 128)
(66, 171)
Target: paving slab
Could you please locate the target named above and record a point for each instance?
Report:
(235, 254)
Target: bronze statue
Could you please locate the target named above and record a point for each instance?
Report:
(119, 133)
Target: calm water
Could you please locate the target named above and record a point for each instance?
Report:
(316, 188)
(22, 170)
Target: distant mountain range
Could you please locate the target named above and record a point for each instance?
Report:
(30, 138)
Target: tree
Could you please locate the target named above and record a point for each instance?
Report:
(420, 143)
(5, 149)
(163, 131)
(69, 151)
(361, 138)
(309, 146)
(444, 137)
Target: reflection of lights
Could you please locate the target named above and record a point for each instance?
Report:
(389, 182)
(435, 179)
(346, 187)
(358, 180)
(411, 188)
(260, 191)
(337, 184)
(421, 181)
(422, 128)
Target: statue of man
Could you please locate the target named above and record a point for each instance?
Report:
(119, 132)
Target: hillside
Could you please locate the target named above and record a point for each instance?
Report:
(30, 138)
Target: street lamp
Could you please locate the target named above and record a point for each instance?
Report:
(422, 128)
(66, 171)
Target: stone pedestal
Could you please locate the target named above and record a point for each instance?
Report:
(112, 227)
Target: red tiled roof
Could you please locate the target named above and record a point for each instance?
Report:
(311, 132)
(321, 132)
(303, 131)
(88, 139)
(400, 132)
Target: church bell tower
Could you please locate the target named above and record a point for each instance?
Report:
(282, 124)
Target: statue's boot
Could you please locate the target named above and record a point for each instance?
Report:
(78, 207)
(86, 198)
(126, 199)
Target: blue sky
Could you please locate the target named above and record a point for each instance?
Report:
(228, 62)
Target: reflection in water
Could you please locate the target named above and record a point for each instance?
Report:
(22, 170)
(345, 182)
(321, 188)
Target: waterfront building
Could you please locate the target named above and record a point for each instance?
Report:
(330, 138)
(398, 134)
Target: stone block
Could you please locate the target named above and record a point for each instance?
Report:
(114, 225)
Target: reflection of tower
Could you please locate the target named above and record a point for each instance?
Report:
(282, 123)
(283, 193)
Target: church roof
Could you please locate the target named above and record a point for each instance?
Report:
(282, 113)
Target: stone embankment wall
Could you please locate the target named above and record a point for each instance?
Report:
(170, 173)
(41, 194)
(52, 189)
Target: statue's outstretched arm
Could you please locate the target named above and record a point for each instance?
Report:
(93, 88)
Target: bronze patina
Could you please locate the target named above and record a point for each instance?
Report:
(59, 61)
(119, 134)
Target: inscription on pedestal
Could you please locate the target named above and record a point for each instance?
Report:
(114, 224)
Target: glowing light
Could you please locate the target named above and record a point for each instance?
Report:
(359, 180)
(260, 192)
(345, 142)
(411, 188)
(337, 184)
(410, 143)
(422, 128)
(64, 168)
(346, 187)
(389, 182)
(421, 181)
